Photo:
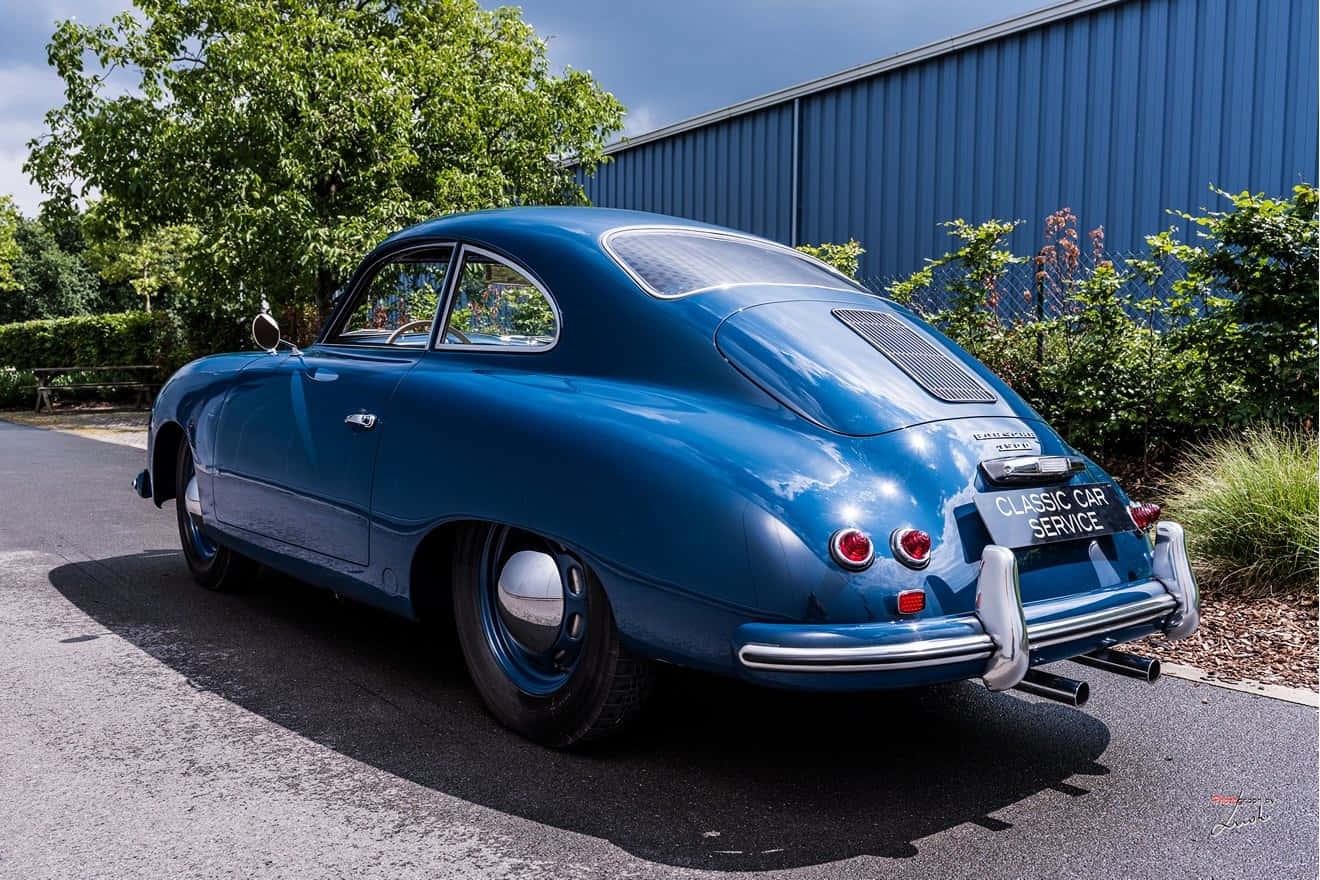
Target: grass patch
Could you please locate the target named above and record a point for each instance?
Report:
(1251, 506)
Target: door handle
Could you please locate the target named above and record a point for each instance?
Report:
(365, 421)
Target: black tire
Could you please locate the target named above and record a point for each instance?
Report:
(222, 569)
(605, 690)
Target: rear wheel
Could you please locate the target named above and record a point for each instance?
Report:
(214, 566)
(539, 639)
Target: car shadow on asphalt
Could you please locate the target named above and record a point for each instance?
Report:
(719, 775)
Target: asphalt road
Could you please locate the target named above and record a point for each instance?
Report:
(149, 728)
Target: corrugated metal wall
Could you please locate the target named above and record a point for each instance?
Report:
(1117, 113)
(736, 173)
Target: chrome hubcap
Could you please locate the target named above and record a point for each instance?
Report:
(191, 499)
(202, 546)
(533, 606)
(531, 600)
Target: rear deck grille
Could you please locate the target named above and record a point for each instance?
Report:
(927, 365)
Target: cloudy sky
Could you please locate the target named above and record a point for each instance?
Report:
(664, 60)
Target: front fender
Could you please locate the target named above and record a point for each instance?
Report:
(189, 403)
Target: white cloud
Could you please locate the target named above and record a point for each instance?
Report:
(13, 153)
(26, 92)
(638, 120)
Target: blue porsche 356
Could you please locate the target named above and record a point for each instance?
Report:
(600, 439)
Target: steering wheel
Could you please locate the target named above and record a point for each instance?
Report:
(405, 328)
(462, 337)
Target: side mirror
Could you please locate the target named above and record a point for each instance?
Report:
(266, 332)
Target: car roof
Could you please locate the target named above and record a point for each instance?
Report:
(589, 223)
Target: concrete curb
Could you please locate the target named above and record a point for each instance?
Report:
(1301, 696)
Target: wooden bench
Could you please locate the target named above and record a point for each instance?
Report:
(145, 386)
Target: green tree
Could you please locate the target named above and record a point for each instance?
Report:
(294, 135)
(49, 282)
(152, 265)
(9, 251)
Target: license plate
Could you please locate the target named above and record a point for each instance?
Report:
(1030, 517)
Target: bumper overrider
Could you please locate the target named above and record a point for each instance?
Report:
(999, 641)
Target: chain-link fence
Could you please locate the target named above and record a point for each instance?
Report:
(1025, 294)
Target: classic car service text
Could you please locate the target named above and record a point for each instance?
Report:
(1019, 518)
(1071, 510)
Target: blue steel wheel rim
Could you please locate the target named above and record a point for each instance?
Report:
(201, 546)
(533, 670)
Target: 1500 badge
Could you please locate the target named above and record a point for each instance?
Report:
(1018, 518)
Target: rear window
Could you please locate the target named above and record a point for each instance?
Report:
(677, 262)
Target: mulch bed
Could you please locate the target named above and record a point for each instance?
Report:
(1271, 641)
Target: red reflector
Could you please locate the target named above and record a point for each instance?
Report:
(911, 601)
(1145, 515)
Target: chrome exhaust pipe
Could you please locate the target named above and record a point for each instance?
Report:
(1055, 687)
(1123, 664)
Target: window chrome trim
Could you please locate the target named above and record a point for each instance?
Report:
(764, 244)
(450, 294)
(334, 335)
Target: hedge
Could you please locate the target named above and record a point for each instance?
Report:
(94, 340)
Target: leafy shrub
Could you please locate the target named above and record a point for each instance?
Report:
(94, 340)
(844, 257)
(1251, 289)
(1251, 507)
(211, 326)
(16, 387)
(1118, 369)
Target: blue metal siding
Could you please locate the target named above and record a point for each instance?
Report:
(736, 173)
(1118, 113)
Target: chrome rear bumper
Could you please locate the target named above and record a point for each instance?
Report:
(1002, 632)
(1173, 569)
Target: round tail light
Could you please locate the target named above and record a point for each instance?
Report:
(1145, 515)
(852, 548)
(911, 547)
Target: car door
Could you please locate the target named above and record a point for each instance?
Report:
(452, 429)
(299, 432)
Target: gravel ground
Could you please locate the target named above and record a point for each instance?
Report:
(127, 427)
(1271, 641)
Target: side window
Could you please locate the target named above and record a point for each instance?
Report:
(398, 304)
(495, 304)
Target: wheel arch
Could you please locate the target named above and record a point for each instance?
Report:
(165, 461)
(430, 591)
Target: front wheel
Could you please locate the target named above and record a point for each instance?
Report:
(212, 565)
(540, 641)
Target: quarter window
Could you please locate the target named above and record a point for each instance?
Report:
(497, 305)
(398, 304)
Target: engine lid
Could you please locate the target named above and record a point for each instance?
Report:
(859, 366)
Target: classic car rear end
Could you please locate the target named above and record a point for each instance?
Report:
(975, 541)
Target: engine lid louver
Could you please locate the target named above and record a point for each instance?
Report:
(929, 367)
